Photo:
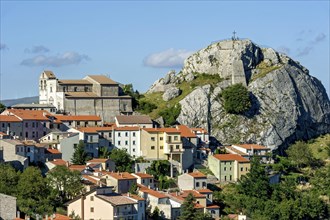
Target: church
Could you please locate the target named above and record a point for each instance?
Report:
(92, 95)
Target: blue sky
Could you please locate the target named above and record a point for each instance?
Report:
(138, 42)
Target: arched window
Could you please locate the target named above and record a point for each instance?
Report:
(51, 100)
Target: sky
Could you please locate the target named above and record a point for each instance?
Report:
(138, 42)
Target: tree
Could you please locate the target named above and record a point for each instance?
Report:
(122, 160)
(33, 194)
(8, 179)
(170, 114)
(300, 154)
(104, 152)
(236, 99)
(2, 107)
(155, 215)
(188, 210)
(79, 155)
(159, 168)
(66, 184)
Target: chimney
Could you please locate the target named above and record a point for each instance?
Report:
(18, 214)
(67, 164)
(47, 217)
(177, 193)
(128, 194)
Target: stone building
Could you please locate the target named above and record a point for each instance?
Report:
(93, 95)
(7, 207)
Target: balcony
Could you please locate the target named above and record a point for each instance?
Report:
(118, 215)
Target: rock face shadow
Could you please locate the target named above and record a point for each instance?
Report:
(255, 107)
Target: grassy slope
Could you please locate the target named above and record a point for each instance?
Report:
(186, 88)
(319, 146)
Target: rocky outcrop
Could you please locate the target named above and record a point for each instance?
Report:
(171, 93)
(287, 103)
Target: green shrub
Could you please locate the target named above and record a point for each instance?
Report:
(145, 107)
(236, 99)
(170, 114)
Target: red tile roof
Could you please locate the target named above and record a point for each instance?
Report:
(58, 162)
(9, 118)
(38, 115)
(184, 193)
(53, 151)
(230, 157)
(197, 174)
(127, 128)
(212, 207)
(136, 197)
(58, 217)
(186, 131)
(143, 175)
(204, 191)
(133, 119)
(250, 146)
(201, 130)
(77, 167)
(154, 193)
(167, 130)
(121, 176)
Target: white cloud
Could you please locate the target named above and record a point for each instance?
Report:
(37, 49)
(3, 46)
(169, 58)
(68, 58)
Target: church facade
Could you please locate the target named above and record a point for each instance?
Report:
(92, 95)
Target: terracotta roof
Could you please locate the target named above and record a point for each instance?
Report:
(133, 119)
(3, 134)
(38, 115)
(117, 199)
(143, 175)
(80, 94)
(212, 207)
(167, 130)
(92, 179)
(77, 117)
(58, 162)
(197, 174)
(94, 129)
(49, 74)
(153, 193)
(98, 160)
(9, 118)
(121, 176)
(250, 146)
(230, 148)
(186, 131)
(127, 128)
(77, 167)
(204, 191)
(198, 206)
(74, 82)
(133, 196)
(183, 194)
(53, 151)
(101, 79)
(230, 157)
(58, 217)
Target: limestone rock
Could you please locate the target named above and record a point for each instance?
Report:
(171, 93)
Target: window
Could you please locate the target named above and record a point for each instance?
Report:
(175, 138)
(225, 178)
(225, 168)
(92, 209)
(142, 180)
(26, 124)
(133, 142)
(126, 142)
(152, 147)
(126, 134)
(197, 184)
(133, 134)
(51, 89)
(133, 149)
(161, 147)
(78, 122)
(44, 133)
(37, 124)
(70, 122)
(8, 125)
(118, 142)
(118, 134)
(95, 122)
(92, 198)
(3, 125)
(44, 124)
(177, 147)
(152, 138)
(241, 168)
(246, 169)
(204, 184)
(26, 134)
(75, 89)
(230, 177)
(161, 138)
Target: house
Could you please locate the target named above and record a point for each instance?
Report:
(56, 162)
(189, 143)
(102, 163)
(121, 181)
(93, 95)
(203, 136)
(142, 121)
(252, 150)
(228, 167)
(194, 180)
(77, 121)
(67, 145)
(128, 138)
(103, 203)
(7, 206)
(145, 179)
(53, 138)
(163, 144)
(26, 124)
(52, 154)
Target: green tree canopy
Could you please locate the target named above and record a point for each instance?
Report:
(2, 107)
(8, 179)
(79, 155)
(188, 210)
(66, 184)
(170, 114)
(236, 99)
(300, 154)
(33, 194)
(122, 160)
(159, 168)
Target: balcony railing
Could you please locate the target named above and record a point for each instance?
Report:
(125, 213)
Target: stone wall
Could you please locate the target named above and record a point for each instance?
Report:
(7, 207)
